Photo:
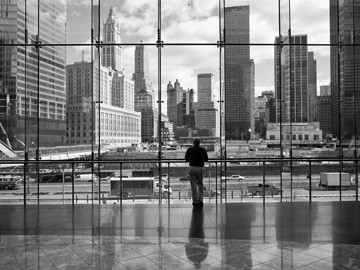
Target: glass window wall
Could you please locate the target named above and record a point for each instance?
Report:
(99, 100)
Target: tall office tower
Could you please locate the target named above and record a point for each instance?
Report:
(186, 109)
(296, 80)
(323, 107)
(344, 86)
(260, 113)
(263, 110)
(174, 102)
(141, 76)
(279, 80)
(252, 97)
(312, 87)
(325, 90)
(119, 124)
(111, 55)
(14, 82)
(206, 115)
(237, 73)
(144, 94)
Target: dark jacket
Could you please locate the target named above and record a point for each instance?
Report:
(196, 155)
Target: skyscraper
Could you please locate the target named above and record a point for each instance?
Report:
(111, 55)
(237, 73)
(174, 99)
(325, 90)
(179, 104)
(296, 89)
(323, 107)
(344, 64)
(277, 105)
(144, 94)
(50, 86)
(252, 97)
(206, 115)
(141, 76)
(312, 86)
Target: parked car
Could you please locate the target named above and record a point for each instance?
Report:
(258, 190)
(207, 193)
(184, 178)
(234, 177)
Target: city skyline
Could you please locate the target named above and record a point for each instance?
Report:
(197, 21)
(188, 64)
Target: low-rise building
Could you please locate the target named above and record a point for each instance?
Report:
(302, 133)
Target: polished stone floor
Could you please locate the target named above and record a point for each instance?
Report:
(322, 235)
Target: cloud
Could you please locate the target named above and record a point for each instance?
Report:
(193, 31)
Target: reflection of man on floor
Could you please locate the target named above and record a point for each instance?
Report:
(197, 250)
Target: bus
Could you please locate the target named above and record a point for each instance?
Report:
(9, 182)
(137, 187)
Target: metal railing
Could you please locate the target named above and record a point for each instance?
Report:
(57, 181)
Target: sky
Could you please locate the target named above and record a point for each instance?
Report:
(197, 21)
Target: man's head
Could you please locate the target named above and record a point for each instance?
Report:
(196, 142)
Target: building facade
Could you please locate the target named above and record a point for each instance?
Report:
(323, 108)
(296, 90)
(325, 90)
(262, 113)
(299, 132)
(122, 91)
(145, 95)
(237, 73)
(141, 76)
(252, 98)
(344, 65)
(118, 125)
(206, 114)
(279, 81)
(180, 104)
(144, 104)
(312, 87)
(45, 96)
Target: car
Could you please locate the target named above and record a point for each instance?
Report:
(234, 177)
(207, 193)
(257, 190)
(184, 178)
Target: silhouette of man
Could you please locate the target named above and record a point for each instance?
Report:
(196, 156)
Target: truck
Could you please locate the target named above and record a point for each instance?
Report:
(138, 187)
(331, 180)
(86, 177)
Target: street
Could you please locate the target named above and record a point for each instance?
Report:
(235, 191)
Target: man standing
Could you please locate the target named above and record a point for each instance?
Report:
(196, 156)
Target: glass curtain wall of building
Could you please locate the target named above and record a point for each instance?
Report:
(99, 100)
